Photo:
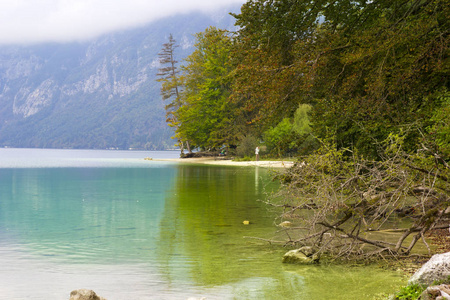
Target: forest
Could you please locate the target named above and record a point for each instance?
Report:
(357, 91)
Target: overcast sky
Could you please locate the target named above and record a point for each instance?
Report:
(34, 21)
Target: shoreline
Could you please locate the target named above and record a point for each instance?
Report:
(228, 162)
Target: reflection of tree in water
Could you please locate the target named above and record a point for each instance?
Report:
(203, 225)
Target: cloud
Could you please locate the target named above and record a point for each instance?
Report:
(34, 21)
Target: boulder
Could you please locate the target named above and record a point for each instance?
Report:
(84, 294)
(436, 269)
(304, 255)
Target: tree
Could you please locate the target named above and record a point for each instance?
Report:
(302, 123)
(439, 133)
(374, 79)
(171, 84)
(366, 67)
(282, 138)
(208, 117)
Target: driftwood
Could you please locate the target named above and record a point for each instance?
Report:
(344, 205)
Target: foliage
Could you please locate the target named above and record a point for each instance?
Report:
(367, 67)
(245, 158)
(247, 146)
(281, 138)
(356, 70)
(302, 123)
(171, 84)
(302, 126)
(168, 74)
(208, 118)
(410, 292)
(440, 130)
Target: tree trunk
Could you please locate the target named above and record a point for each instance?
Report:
(188, 147)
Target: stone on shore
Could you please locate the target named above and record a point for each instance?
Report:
(436, 269)
(84, 294)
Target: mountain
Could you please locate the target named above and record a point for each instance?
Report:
(97, 94)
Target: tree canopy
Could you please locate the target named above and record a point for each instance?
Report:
(208, 118)
(367, 67)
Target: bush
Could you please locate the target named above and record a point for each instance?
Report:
(410, 292)
(281, 139)
(247, 146)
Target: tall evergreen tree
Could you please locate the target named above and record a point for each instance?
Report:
(168, 75)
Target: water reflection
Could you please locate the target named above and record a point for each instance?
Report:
(202, 240)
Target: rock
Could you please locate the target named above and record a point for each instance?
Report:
(436, 292)
(437, 268)
(84, 294)
(304, 255)
(285, 224)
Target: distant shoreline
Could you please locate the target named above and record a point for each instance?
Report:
(225, 162)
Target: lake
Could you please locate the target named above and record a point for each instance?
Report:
(130, 228)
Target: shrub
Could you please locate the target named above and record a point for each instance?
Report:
(247, 146)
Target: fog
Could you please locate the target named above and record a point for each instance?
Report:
(36, 21)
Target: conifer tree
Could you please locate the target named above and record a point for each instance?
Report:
(168, 75)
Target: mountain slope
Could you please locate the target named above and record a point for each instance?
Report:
(97, 94)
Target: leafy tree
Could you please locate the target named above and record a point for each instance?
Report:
(170, 84)
(302, 126)
(378, 77)
(302, 123)
(367, 67)
(282, 138)
(439, 132)
(247, 146)
(208, 117)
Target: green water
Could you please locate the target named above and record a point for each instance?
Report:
(155, 231)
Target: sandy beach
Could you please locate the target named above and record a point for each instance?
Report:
(226, 162)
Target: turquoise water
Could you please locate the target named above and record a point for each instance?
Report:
(135, 229)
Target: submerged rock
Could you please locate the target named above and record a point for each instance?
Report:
(437, 268)
(285, 224)
(304, 255)
(84, 294)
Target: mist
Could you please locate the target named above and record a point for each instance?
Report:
(37, 21)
